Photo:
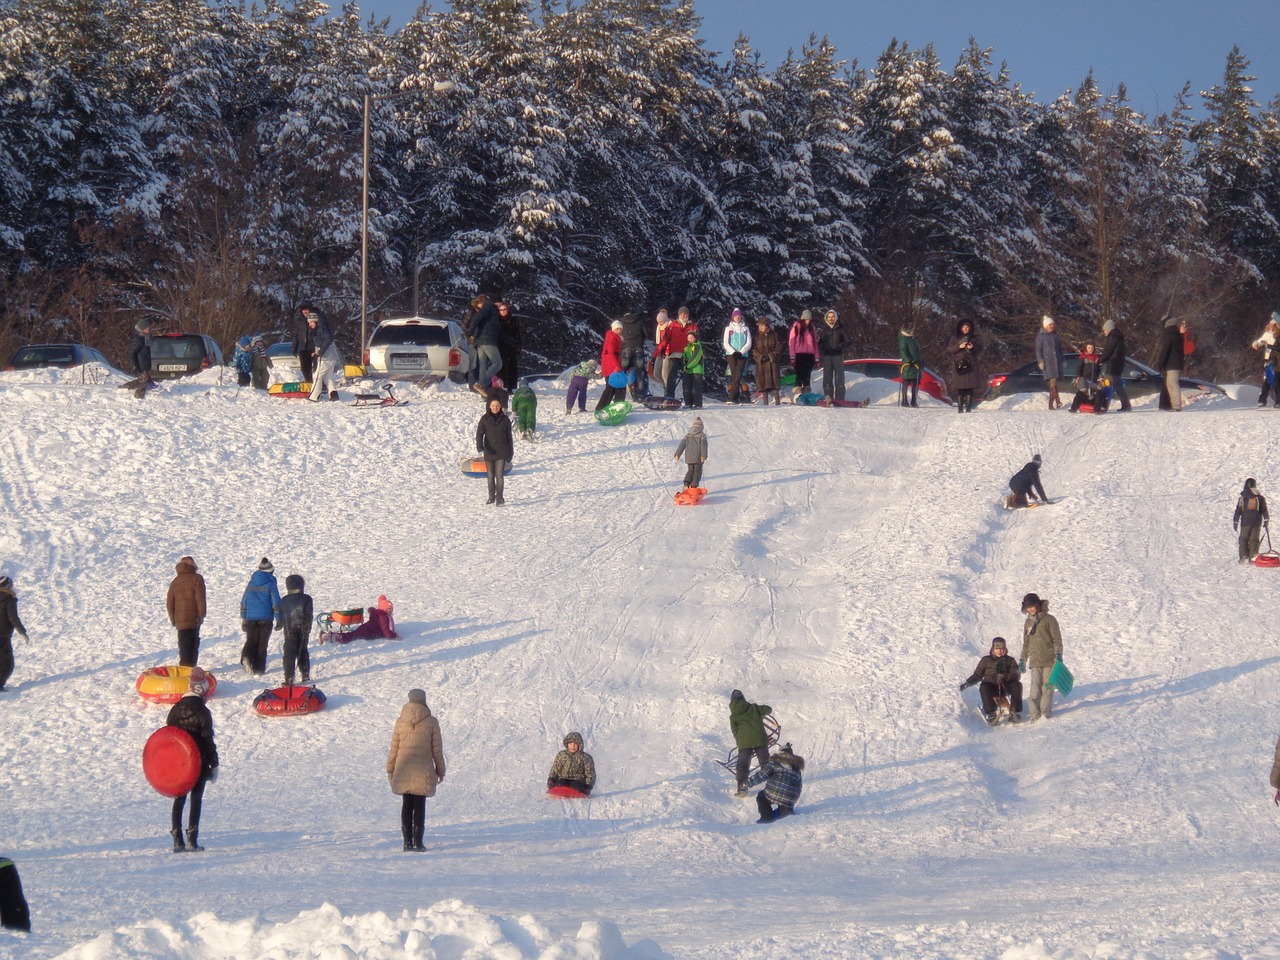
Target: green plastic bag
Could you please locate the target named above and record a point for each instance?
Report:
(1060, 678)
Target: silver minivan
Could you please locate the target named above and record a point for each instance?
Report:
(419, 347)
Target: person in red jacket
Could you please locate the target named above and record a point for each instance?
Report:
(670, 351)
(611, 366)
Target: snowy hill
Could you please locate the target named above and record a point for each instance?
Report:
(849, 567)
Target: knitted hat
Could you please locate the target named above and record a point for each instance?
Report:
(616, 326)
(737, 314)
(385, 605)
(1108, 326)
(198, 683)
(265, 564)
(293, 583)
(1046, 321)
(806, 315)
(6, 583)
(418, 696)
(1036, 459)
(244, 341)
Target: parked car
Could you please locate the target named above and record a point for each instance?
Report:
(55, 355)
(419, 347)
(883, 368)
(280, 356)
(182, 354)
(1139, 380)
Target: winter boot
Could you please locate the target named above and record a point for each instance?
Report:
(178, 845)
(192, 834)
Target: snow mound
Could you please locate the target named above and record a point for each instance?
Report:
(449, 930)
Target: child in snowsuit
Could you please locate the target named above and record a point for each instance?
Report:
(578, 384)
(694, 448)
(259, 608)
(191, 715)
(259, 373)
(693, 369)
(783, 780)
(242, 360)
(524, 404)
(1041, 650)
(572, 767)
(1023, 482)
(997, 676)
(1086, 383)
(746, 720)
(295, 614)
(1249, 519)
(9, 623)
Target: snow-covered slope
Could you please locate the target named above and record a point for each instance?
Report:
(848, 567)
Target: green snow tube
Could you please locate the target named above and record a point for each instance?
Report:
(614, 413)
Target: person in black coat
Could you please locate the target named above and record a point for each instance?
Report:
(997, 676)
(1168, 361)
(140, 349)
(304, 342)
(1250, 517)
(494, 443)
(1112, 361)
(14, 912)
(1024, 481)
(191, 714)
(9, 623)
(296, 610)
(509, 348)
(832, 342)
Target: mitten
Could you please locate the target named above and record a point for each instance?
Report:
(1058, 658)
(1022, 665)
(964, 685)
(213, 774)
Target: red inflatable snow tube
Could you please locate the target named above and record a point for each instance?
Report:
(1267, 560)
(169, 684)
(568, 793)
(171, 761)
(288, 701)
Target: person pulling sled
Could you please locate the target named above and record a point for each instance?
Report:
(999, 684)
(1249, 519)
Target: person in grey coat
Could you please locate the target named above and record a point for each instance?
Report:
(328, 359)
(694, 448)
(1049, 358)
(415, 765)
(1041, 650)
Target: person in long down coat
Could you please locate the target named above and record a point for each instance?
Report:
(1049, 358)
(494, 443)
(964, 349)
(185, 605)
(764, 350)
(415, 765)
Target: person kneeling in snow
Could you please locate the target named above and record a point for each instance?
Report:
(997, 676)
(783, 780)
(1024, 482)
(572, 767)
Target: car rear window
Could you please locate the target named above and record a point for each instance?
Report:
(411, 335)
(177, 348)
(39, 355)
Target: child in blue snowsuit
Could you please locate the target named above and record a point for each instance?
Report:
(242, 360)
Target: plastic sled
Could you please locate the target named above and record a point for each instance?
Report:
(1267, 560)
(690, 496)
(171, 761)
(661, 403)
(475, 467)
(614, 413)
(824, 402)
(169, 684)
(617, 380)
(567, 792)
(289, 701)
(809, 399)
(1060, 678)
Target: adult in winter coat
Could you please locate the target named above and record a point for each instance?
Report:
(1250, 517)
(1049, 358)
(10, 623)
(783, 779)
(484, 330)
(1169, 357)
(746, 720)
(1041, 649)
(802, 344)
(909, 352)
(737, 347)
(296, 611)
(328, 359)
(610, 365)
(964, 350)
(415, 765)
(661, 321)
(14, 912)
(694, 448)
(304, 342)
(832, 342)
(1024, 482)
(997, 676)
(494, 443)
(191, 715)
(1112, 360)
(185, 605)
(140, 348)
(764, 352)
(633, 356)
(1267, 344)
(671, 349)
(572, 767)
(510, 344)
(259, 609)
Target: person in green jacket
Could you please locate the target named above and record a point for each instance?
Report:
(693, 369)
(749, 735)
(524, 404)
(1041, 650)
(909, 351)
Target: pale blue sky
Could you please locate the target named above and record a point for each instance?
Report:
(1152, 46)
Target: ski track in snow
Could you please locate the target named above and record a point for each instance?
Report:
(849, 567)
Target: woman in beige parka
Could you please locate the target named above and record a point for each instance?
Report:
(415, 764)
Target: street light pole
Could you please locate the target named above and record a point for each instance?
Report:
(440, 86)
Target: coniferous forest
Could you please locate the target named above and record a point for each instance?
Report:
(202, 165)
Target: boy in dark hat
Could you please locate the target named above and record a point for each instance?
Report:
(9, 623)
(997, 676)
(295, 614)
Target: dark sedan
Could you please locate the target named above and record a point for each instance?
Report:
(1139, 380)
(55, 355)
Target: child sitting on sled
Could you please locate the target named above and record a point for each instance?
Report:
(1088, 384)
(694, 448)
(783, 780)
(572, 767)
(997, 676)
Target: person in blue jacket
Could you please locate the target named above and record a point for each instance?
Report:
(259, 610)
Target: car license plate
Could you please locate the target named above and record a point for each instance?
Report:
(171, 367)
(410, 362)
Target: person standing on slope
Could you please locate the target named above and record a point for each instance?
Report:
(964, 349)
(746, 720)
(1049, 358)
(832, 342)
(1250, 517)
(802, 343)
(1112, 362)
(415, 765)
(9, 623)
(185, 605)
(737, 347)
(259, 609)
(1168, 360)
(494, 443)
(191, 714)
(909, 352)
(1041, 650)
